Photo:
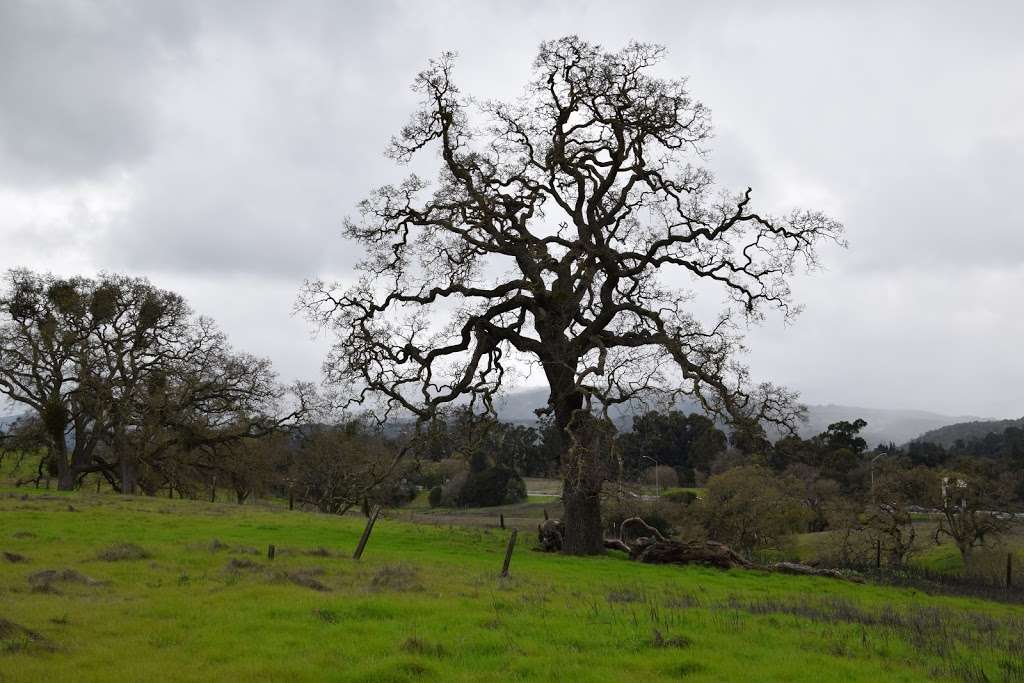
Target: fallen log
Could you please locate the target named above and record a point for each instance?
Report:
(674, 552)
(644, 543)
(806, 570)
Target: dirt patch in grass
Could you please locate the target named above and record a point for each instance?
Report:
(123, 551)
(16, 638)
(307, 578)
(14, 557)
(684, 670)
(326, 615)
(661, 640)
(418, 646)
(23, 534)
(625, 596)
(396, 577)
(47, 580)
(237, 564)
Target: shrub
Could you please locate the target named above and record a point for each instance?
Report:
(662, 475)
(451, 492)
(750, 508)
(492, 486)
(435, 496)
(681, 496)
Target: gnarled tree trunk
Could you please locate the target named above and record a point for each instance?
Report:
(584, 456)
(583, 534)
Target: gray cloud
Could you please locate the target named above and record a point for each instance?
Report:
(217, 146)
(77, 83)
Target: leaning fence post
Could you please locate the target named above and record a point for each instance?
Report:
(508, 552)
(1009, 570)
(501, 520)
(545, 514)
(366, 534)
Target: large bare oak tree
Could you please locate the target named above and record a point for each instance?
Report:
(562, 231)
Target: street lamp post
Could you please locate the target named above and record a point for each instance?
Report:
(872, 469)
(657, 475)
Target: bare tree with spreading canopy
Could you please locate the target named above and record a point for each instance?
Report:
(561, 231)
(117, 376)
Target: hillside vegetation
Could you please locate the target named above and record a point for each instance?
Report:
(97, 587)
(884, 425)
(968, 431)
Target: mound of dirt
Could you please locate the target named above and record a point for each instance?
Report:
(306, 578)
(44, 581)
(396, 577)
(123, 551)
(235, 564)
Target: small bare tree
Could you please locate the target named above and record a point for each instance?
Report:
(970, 513)
(550, 238)
(338, 468)
(887, 519)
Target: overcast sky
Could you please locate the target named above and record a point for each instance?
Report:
(215, 147)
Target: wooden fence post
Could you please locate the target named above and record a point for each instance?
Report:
(366, 534)
(501, 520)
(271, 551)
(508, 552)
(1009, 570)
(878, 554)
(545, 514)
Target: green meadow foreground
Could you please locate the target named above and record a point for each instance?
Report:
(154, 589)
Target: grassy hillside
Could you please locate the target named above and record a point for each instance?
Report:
(153, 589)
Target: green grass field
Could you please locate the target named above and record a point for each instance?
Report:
(426, 603)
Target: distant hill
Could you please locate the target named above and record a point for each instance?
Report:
(978, 429)
(884, 425)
